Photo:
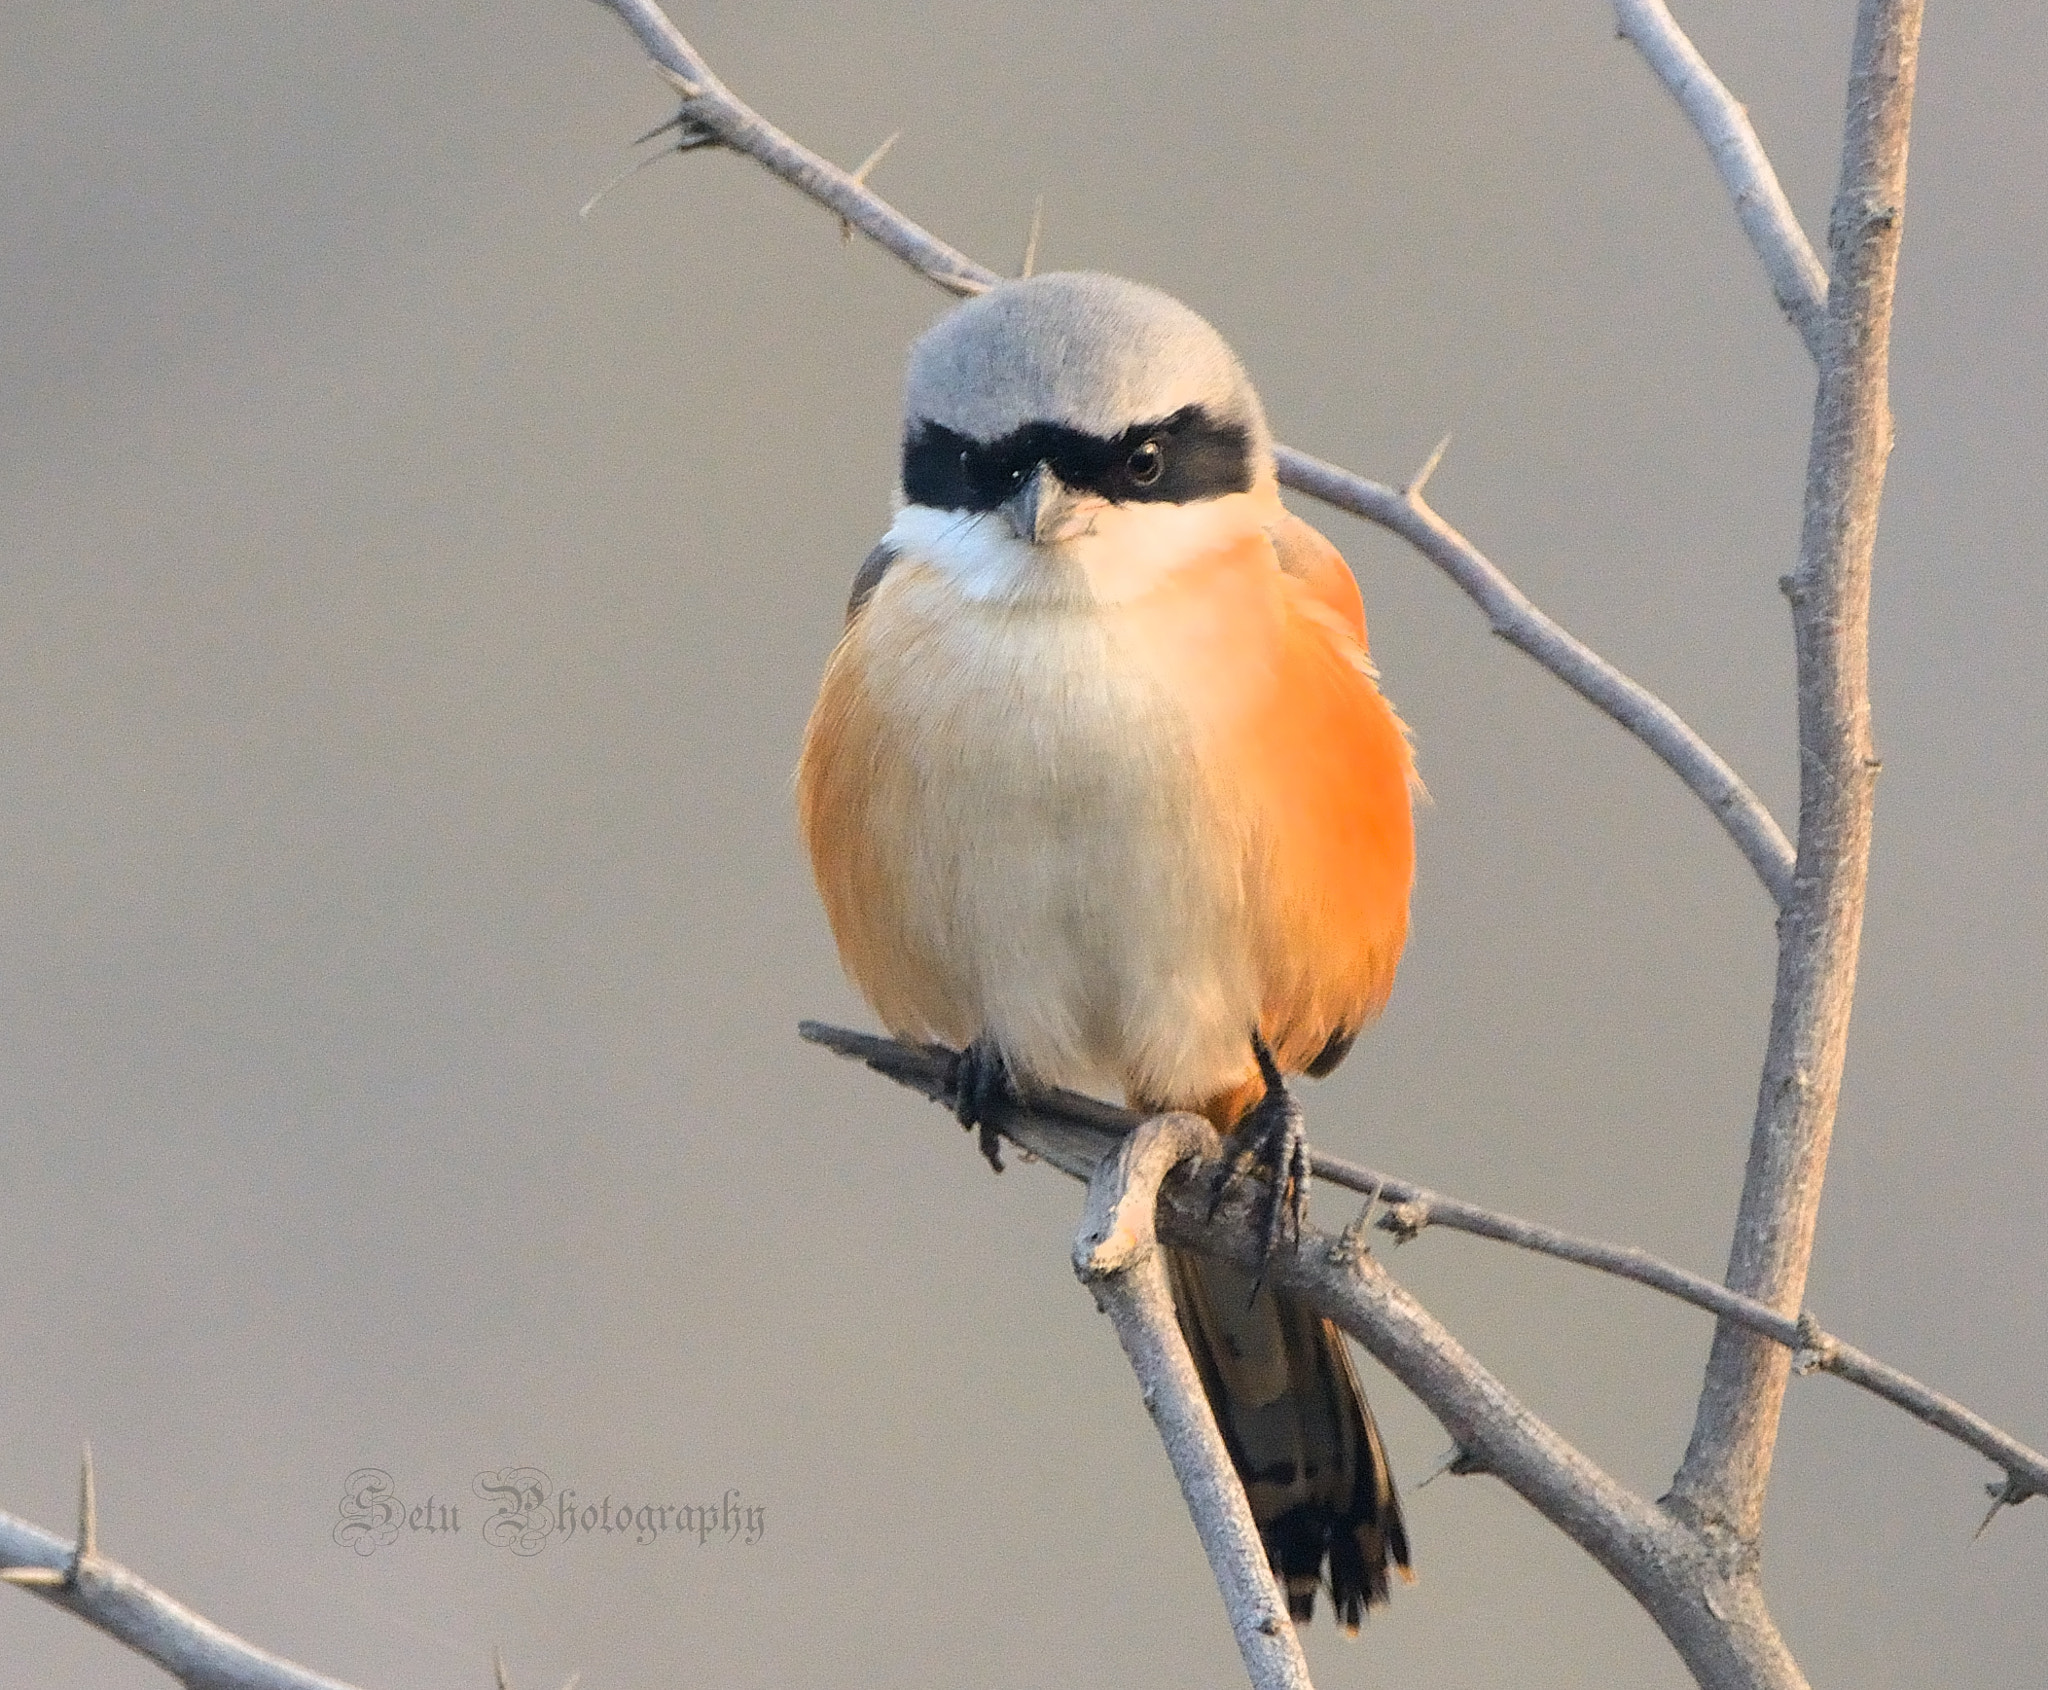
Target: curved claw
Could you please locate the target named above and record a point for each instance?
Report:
(982, 1092)
(1271, 1139)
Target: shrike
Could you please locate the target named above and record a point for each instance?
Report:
(1100, 789)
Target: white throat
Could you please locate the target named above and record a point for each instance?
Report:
(1126, 552)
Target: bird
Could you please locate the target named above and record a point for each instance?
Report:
(1100, 792)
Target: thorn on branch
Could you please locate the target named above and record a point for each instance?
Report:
(1029, 265)
(1420, 479)
(1457, 1461)
(631, 170)
(86, 1548)
(860, 175)
(88, 1515)
(2009, 1492)
(691, 131)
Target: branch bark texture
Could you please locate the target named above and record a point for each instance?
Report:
(1767, 218)
(1728, 1462)
(107, 1596)
(1715, 1618)
(1074, 1133)
(1515, 619)
(1116, 1255)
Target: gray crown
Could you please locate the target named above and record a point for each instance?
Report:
(1094, 352)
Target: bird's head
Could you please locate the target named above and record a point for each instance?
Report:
(1069, 407)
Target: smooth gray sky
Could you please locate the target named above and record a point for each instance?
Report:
(412, 598)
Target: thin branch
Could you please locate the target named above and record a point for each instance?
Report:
(863, 170)
(1713, 1614)
(1116, 1255)
(1728, 1461)
(1767, 218)
(1748, 822)
(711, 112)
(1715, 1619)
(1074, 1132)
(107, 1596)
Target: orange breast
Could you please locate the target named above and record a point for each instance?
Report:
(1322, 768)
(1299, 794)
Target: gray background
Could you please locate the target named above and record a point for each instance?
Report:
(412, 599)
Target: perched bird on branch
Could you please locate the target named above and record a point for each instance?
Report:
(1100, 789)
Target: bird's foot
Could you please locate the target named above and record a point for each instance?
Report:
(983, 1092)
(1272, 1140)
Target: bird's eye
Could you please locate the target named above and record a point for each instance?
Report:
(1147, 464)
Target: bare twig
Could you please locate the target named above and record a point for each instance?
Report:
(1116, 1255)
(107, 1596)
(863, 170)
(1074, 1132)
(1714, 1615)
(1738, 809)
(1797, 278)
(711, 110)
(1716, 1621)
(1728, 1462)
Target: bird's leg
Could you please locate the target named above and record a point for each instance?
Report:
(1272, 1139)
(982, 1092)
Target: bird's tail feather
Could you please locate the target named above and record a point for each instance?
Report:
(1288, 1403)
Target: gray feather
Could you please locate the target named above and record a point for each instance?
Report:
(1094, 352)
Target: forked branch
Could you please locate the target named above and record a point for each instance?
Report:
(1716, 1620)
(1728, 1462)
(1766, 215)
(1116, 1255)
(1074, 1132)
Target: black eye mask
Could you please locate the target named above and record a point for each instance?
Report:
(1176, 461)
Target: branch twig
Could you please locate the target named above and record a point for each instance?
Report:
(1718, 1624)
(1116, 1255)
(1713, 1615)
(1074, 1132)
(1767, 218)
(1727, 1464)
(712, 113)
(1755, 831)
(107, 1596)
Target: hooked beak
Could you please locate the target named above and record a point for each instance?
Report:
(1045, 511)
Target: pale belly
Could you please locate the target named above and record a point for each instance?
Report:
(1063, 852)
